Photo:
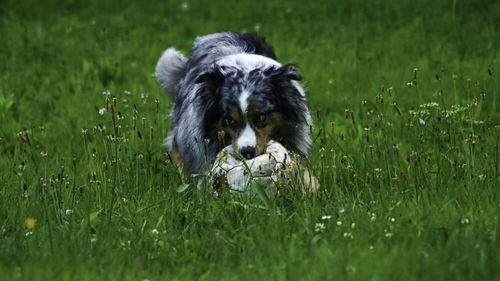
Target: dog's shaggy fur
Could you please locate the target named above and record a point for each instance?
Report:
(232, 91)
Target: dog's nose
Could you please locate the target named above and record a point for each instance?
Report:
(248, 152)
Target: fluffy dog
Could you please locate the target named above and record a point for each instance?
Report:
(232, 90)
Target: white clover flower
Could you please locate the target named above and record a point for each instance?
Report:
(68, 212)
(155, 231)
(102, 111)
(319, 227)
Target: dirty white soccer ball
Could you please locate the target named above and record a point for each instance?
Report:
(273, 168)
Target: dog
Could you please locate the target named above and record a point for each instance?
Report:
(232, 90)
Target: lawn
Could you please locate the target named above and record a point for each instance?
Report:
(405, 102)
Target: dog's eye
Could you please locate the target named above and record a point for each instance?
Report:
(260, 120)
(230, 123)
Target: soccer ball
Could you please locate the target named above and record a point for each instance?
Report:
(272, 169)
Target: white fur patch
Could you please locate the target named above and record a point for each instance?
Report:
(244, 101)
(247, 138)
(247, 62)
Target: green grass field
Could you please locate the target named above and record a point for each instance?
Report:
(405, 98)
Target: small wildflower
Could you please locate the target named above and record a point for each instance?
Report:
(353, 225)
(326, 217)
(392, 219)
(102, 111)
(30, 222)
(339, 223)
(155, 232)
(465, 221)
(28, 234)
(319, 227)
(68, 212)
(347, 235)
(389, 234)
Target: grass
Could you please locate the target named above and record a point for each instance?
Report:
(409, 180)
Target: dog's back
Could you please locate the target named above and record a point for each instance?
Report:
(173, 67)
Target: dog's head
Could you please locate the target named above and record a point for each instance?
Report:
(253, 106)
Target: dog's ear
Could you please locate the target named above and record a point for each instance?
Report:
(213, 77)
(285, 73)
